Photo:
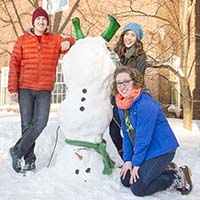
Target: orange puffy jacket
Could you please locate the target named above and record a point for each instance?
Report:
(33, 64)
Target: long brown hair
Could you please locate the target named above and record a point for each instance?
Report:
(120, 48)
(134, 74)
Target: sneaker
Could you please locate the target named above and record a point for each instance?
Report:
(30, 166)
(187, 188)
(16, 161)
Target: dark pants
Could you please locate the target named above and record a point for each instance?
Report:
(153, 175)
(34, 111)
(114, 130)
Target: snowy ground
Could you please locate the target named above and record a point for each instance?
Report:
(51, 184)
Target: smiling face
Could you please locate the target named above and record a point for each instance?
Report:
(40, 25)
(124, 84)
(129, 38)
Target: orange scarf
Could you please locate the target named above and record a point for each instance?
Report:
(126, 102)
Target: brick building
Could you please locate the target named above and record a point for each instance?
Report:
(160, 40)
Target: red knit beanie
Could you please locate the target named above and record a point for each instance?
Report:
(40, 12)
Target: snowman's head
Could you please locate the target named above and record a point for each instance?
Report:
(81, 164)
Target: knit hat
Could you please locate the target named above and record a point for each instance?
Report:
(40, 12)
(136, 28)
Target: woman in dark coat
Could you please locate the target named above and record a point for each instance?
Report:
(131, 53)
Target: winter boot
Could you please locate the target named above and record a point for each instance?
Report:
(16, 161)
(111, 29)
(77, 27)
(187, 180)
(182, 181)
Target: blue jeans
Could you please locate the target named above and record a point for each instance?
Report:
(34, 111)
(154, 176)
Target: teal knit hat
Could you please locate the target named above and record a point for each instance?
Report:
(136, 28)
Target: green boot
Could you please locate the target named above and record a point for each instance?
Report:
(78, 31)
(111, 29)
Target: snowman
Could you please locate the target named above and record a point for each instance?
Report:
(86, 112)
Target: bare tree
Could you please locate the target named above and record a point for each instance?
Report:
(170, 37)
(13, 16)
(167, 25)
(188, 7)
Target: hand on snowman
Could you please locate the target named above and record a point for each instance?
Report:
(65, 45)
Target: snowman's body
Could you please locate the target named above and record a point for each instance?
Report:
(86, 112)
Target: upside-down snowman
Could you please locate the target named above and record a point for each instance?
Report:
(86, 112)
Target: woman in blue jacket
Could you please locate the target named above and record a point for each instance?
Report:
(149, 144)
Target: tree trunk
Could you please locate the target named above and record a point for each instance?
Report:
(185, 89)
(187, 104)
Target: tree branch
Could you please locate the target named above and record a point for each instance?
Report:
(76, 5)
(11, 20)
(17, 14)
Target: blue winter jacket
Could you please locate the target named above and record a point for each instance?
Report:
(154, 137)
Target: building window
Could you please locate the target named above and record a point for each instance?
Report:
(5, 96)
(58, 94)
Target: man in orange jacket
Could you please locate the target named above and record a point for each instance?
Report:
(31, 79)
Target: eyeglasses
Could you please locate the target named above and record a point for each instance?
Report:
(124, 83)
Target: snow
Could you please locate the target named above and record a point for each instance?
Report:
(76, 173)
(49, 183)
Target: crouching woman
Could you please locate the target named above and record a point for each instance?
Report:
(149, 144)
